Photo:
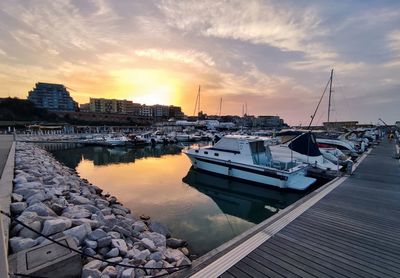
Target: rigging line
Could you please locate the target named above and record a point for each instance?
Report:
(320, 100)
(86, 255)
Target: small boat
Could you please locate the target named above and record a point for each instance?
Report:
(249, 159)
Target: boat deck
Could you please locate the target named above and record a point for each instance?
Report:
(350, 228)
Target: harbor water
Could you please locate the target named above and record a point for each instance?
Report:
(204, 209)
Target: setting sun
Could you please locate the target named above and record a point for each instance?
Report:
(148, 86)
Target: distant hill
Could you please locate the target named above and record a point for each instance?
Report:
(15, 109)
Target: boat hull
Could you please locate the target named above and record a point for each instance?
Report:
(295, 180)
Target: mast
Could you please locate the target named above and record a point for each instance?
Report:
(330, 95)
(197, 103)
(199, 100)
(220, 107)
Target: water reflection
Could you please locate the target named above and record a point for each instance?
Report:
(244, 200)
(105, 156)
(205, 210)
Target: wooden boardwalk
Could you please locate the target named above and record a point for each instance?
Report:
(354, 231)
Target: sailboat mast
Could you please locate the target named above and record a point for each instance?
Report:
(199, 99)
(330, 95)
(220, 107)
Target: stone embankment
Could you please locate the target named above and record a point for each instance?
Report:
(51, 198)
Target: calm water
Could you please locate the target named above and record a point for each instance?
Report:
(204, 209)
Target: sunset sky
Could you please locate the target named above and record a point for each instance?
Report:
(275, 56)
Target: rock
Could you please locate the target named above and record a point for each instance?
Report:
(18, 243)
(41, 210)
(103, 242)
(145, 217)
(57, 208)
(97, 234)
(94, 224)
(37, 198)
(132, 253)
(76, 212)
(35, 225)
(156, 256)
(110, 271)
(139, 226)
(159, 228)
(143, 254)
(114, 252)
(114, 235)
(118, 212)
(121, 245)
(115, 260)
(185, 251)
(173, 255)
(184, 261)
(20, 179)
(101, 204)
(89, 251)
(90, 208)
(90, 243)
(79, 232)
(140, 273)
(159, 240)
(128, 273)
(90, 273)
(16, 197)
(53, 226)
(176, 243)
(121, 230)
(18, 207)
(103, 250)
(147, 243)
(95, 264)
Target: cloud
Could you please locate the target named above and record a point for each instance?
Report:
(190, 57)
(252, 21)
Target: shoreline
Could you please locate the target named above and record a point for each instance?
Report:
(52, 199)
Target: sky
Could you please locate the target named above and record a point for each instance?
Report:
(274, 56)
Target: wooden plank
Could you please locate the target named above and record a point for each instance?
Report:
(289, 258)
(296, 252)
(365, 264)
(237, 271)
(269, 265)
(255, 265)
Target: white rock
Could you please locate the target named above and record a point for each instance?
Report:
(110, 271)
(16, 197)
(173, 255)
(53, 226)
(95, 264)
(128, 273)
(148, 243)
(90, 273)
(18, 243)
(97, 234)
(91, 243)
(25, 232)
(18, 207)
(112, 253)
(133, 253)
(142, 255)
(79, 232)
(121, 245)
(159, 240)
(139, 226)
(41, 210)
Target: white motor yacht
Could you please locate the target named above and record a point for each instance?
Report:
(249, 159)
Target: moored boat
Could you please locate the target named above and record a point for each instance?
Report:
(249, 159)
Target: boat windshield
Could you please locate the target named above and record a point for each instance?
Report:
(259, 153)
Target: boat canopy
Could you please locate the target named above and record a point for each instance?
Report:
(306, 144)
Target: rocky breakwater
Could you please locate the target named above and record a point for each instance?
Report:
(51, 199)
